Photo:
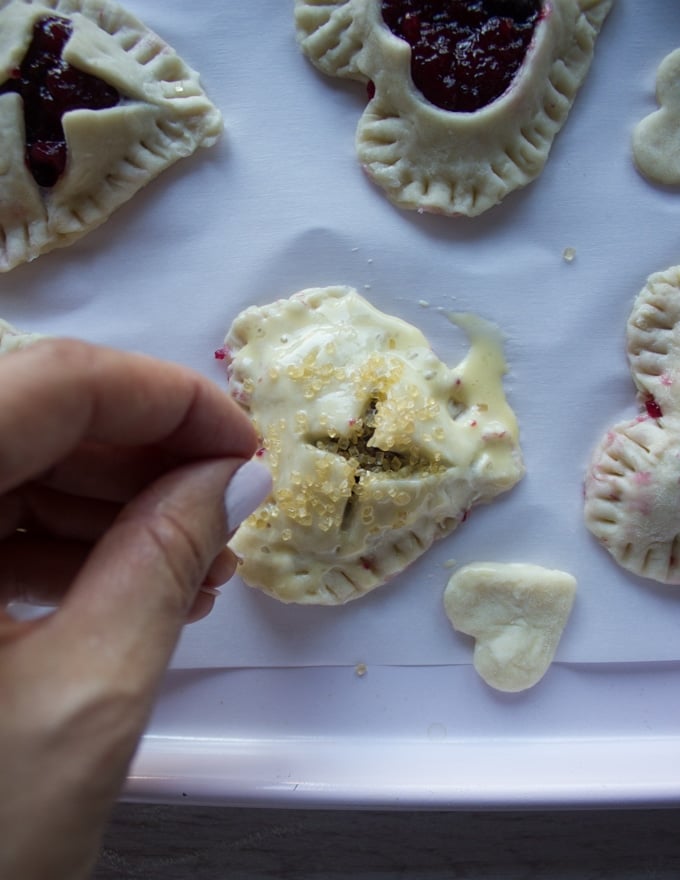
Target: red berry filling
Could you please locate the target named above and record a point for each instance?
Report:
(653, 409)
(464, 53)
(50, 87)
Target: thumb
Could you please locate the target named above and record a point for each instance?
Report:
(78, 687)
(127, 606)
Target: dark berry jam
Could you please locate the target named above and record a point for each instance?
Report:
(653, 409)
(50, 87)
(464, 53)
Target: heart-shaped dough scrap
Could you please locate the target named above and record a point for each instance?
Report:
(632, 487)
(429, 149)
(656, 139)
(516, 613)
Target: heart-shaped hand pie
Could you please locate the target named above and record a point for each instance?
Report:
(516, 613)
(465, 96)
(656, 139)
(375, 446)
(632, 488)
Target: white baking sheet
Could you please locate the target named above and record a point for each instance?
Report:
(281, 204)
(420, 737)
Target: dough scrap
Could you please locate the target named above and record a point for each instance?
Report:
(376, 447)
(656, 138)
(434, 160)
(164, 115)
(516, 613)
(632, 486)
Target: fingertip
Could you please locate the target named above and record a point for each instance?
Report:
(221, 569)
(203, 604)
(248, 487)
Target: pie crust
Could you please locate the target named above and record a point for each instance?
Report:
(632, 488)
(163, 115)
(447, 162)
(376, 447)
(12, 338)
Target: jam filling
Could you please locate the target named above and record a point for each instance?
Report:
(50, 87)
(654, 411)
(464, 53)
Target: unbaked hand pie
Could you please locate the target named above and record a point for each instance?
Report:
(465, 96)
(632, 489)
(376, 447)
(93, 105)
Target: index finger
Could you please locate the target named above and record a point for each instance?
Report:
(57, 393)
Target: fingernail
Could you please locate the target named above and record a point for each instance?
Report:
(247, 489)
(210, 591)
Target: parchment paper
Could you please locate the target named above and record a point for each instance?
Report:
(281, 204)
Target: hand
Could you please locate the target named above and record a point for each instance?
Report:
(113, 474)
